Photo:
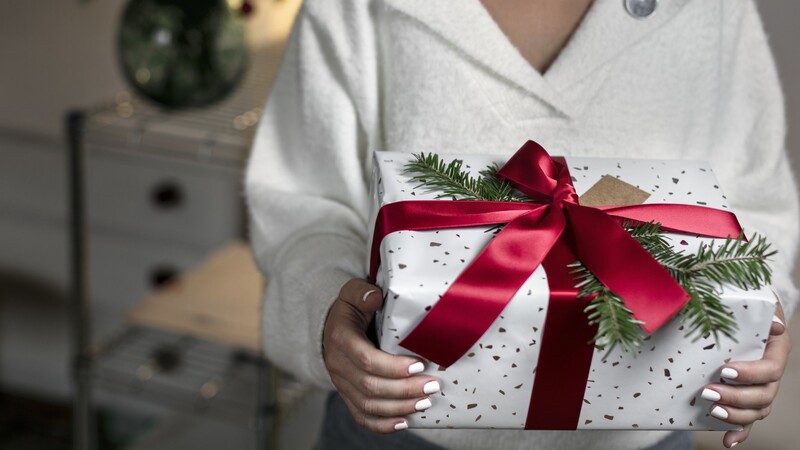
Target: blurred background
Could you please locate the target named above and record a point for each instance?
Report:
(168, 321)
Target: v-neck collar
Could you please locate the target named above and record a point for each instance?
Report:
(604, 32)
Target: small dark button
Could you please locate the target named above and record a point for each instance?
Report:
(162, 275)
(167, 195)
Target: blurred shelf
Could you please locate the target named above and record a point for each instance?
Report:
(180, 372)
(218, 134)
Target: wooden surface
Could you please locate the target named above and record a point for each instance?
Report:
(219, 300)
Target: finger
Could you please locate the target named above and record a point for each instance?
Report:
(382, 407)
(736, 437)
(738, 416)
(363, 355)
(383, 425)
(741, 396)
(393, 388)
(347, 350)
(366, 297)
(763, 371)
(778, 326)
(347, 347)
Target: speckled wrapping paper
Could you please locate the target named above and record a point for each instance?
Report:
(490, 387)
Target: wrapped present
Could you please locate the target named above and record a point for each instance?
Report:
(495, 308)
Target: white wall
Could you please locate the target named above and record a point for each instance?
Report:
(780, 20)
(55, 55)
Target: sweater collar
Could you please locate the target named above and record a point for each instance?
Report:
(606, 30)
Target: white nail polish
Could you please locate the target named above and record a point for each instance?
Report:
(431, 387)
(719, 412)
(710, 395)
(729, 373)
(366, 295)
(734, 445)
(415, 368)
(777, 319)
(423, 404)
(401, 426)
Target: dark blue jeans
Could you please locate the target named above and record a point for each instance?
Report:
(340, 432)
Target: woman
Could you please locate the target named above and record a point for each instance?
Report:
(677, 79)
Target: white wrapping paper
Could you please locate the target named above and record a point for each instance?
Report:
(490, 387)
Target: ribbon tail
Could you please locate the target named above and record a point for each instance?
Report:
(647, 289)
(481, 292)
(680, 218)
(435, 215)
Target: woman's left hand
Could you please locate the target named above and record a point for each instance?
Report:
(745, 404)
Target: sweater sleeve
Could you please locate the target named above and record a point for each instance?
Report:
(306, 180)
(751, 161)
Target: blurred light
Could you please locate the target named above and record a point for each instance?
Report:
(143, 75)
(123, 97)
(162, 37)
(250, 118)
(239, 123)
(211, 388)
(146, 371)
(125, 110)
(235, 5)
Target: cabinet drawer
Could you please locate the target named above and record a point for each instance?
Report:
(163, 199)
(124, 271)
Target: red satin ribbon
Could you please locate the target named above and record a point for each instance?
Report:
(484, 288)
(554, 234)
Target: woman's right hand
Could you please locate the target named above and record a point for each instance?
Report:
(379, 389)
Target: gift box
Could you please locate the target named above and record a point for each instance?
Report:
(532, 367)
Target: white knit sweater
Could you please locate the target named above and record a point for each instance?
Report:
(695, 80)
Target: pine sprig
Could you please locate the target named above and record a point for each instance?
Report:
(705, 314)
(451, 180)
(615, 322)
(738, 262)
(648, 234)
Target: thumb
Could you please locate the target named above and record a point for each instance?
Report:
(364, 296)
(778, 321)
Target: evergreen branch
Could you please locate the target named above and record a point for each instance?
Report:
(705, 313)
(500, 190)
(615, 322)
(451, 180)
(739, 262)
(648, 234)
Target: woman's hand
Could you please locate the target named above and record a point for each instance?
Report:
(744, 404)
(378, 388)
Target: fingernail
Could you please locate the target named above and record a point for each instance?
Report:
(431, 387)
(777, 319)
(710, 395)
(719, 412)
(401, 426)
(423, 404)
(734, 445)
(729, 373)
(366, 295)
(417, 367)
